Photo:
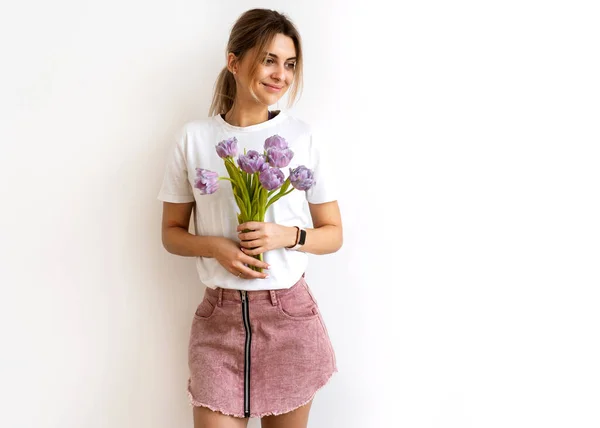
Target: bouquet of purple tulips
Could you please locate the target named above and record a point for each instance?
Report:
(257, 180)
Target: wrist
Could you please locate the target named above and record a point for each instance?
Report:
(300, 239)
(214, 242)
(292, 236)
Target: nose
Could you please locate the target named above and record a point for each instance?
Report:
(279, 72)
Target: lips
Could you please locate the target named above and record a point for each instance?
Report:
(273, 86)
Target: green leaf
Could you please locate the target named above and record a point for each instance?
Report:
(285, 185)
(277, 197)
(236, 175)
(241, 205)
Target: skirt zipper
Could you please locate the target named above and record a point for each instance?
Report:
(246, 317)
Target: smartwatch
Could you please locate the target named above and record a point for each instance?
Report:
(301, 239)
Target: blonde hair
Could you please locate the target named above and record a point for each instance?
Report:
(255, 28)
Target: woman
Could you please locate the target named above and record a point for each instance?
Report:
(258, 344)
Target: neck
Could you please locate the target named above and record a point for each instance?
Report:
(247, 115)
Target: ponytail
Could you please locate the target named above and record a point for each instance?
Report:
(224, 93)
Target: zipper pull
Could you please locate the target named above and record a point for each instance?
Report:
(243, 295)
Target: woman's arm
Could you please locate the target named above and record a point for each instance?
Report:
(326, 237)
(175, 236)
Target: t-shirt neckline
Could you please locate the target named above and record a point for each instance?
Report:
(263, 125)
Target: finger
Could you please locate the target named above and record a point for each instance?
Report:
(251, 244)
(238, 273)
(250, 225)
(248, 273)
(249, 260)
(254, 251)
(248, 236)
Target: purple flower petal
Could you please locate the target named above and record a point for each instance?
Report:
(301, 178)
(227, 148)
(279, 158)
(206, 181)
(271, 178)
(251, 162)
(276, 142)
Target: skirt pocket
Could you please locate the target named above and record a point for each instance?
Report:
(297, 305)
(206, 308)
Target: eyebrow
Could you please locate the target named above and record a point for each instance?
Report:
(276, 57)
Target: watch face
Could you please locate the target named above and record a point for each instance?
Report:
(302, 237)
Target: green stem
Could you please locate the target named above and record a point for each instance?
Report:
(238, 179)
(263, 204)
(277, 197)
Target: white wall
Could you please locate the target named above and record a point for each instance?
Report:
(466, 294)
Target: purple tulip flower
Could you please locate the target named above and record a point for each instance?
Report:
(227, 148)
(271, 178)
(279, 158)
(252, 162)
(301, 178)
(276, 142)
(207, 181)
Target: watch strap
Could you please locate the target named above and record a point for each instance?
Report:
(300, 239)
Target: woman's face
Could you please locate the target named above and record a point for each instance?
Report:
(275, 72)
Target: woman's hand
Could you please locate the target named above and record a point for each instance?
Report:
(261, 237)
(232, 258)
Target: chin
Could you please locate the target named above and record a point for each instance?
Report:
(269, 101)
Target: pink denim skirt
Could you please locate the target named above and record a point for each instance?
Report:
(258, 353)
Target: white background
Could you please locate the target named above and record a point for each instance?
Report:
(466, 138)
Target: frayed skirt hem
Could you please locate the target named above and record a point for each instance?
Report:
(195, 403)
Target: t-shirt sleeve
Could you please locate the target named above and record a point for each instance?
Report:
(175, 186)
(325, 187)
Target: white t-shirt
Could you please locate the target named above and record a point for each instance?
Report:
(216, 214)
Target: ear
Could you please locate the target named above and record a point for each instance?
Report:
(232, 63)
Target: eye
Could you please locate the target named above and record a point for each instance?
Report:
(291, 65)
(268, 61)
